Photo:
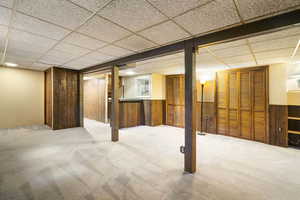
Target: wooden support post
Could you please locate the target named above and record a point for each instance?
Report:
(190, 107)
(115, 104)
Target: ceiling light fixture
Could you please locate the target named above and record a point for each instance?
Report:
(9, 64)
(130, 72)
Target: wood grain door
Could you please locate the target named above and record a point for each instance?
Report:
(175, 100)
(242, 103)
(222, 102)
(245, 105)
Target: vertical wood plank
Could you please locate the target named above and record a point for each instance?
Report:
(190, 108)
(115, 104)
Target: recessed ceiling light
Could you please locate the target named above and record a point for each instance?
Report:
(9, 64)
(130, 72)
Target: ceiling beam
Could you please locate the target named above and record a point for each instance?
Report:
(242, 31)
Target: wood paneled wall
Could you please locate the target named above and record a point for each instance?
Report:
(131, 114)
(95, 99)
(154, 112)
(242, 103)
(278, 125)
(48, 97)
(65, 98)
(175, 105)
(294, 125)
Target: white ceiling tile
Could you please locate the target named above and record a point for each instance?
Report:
(275, 53)
(18, 60)
(233, 51)
(274, 60)
(56, 57)
(7, 3)
(61, 12)
(134, 14)
(97, 56)
(175, 7)
(37, 26)
(214, 15)
(256, 8)
(93, 5)
(71, 49)
(239, 59)
(115, 51)
(84, 41)
(103, 30)
(5, 16)
(283, 43)
(227, 45)
(165, 33)
(276, 35)
(135, 43)
(3, 33)
(23, 54)
(40, 66)
(29, 42)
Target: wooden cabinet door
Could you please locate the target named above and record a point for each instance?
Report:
(233, 126)
(222, 102)
(175, 100)
(245, 105)
(259, 105)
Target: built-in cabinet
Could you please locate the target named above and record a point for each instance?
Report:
(242, 103)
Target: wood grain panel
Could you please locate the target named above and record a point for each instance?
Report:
(48, 97)
(245, 91)
(246, 123)
(278, 125)
(222, 121)
(233, 123)
(131, 114)
(209, 117)
(259, 126)
(154, 112)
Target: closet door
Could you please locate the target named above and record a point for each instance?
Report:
(259, 105)
(234, 128)
(222, 102)
(245, 105)
(175, 100)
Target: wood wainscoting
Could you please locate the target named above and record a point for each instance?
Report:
(95, 92)
(62, 96)
(242, 103)
(209, 117)
(278, 125)
(154, 112)
(131, 113)
(294, 125)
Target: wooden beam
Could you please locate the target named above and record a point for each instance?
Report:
(190, 107)
(115, 104)
(262, 26)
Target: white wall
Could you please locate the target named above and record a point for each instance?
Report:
(21, 97)
(278, 84)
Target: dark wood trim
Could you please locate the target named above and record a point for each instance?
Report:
(190, 108)
(115, 104)
(262, 26)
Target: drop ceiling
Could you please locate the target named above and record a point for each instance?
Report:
(37, 34)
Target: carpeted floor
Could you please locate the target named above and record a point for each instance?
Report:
(41, 164)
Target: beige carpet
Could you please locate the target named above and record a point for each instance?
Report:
(37, 163)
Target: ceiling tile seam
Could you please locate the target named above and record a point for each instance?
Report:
(8, 31)
(132, 32)
(251, 51)
(195, 8)
(279, 38)
(74, 30)
(237, 7)
(295, 51)
(171, 19)
(216, 57)
(57, 26)
(279, 49)
(273, 14)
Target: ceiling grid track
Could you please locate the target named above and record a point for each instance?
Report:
(8, 32)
